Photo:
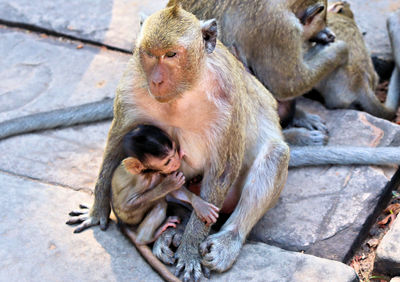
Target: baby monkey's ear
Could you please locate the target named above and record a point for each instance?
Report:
(133, 165)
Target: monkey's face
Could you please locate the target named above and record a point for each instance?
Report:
(169, 71)
(169, 163)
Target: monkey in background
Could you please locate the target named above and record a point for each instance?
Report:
(353, 84)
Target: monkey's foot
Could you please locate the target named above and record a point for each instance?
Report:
(309, 121)
(86, 219)
(189, 263)
(220, 250)
(304, 137)
(162, 246)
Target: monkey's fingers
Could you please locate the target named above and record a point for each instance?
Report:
(206, 271)
(86, 224)
(103, 223)
(75, 220)
(77, 213)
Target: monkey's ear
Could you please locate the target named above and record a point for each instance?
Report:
(143, 17)
(210, 30)
(133, 165)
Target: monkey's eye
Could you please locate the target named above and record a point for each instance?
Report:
(150, 55)
(167, 162)
(170, 54)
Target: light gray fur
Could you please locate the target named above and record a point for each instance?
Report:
(305, 156)
(85, 113)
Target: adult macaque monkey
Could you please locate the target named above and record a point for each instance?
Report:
(354, 84)
(276, 48)
(232, 135)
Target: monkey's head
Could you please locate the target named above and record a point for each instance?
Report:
(172, 47)
(314, 20)
(341, 8)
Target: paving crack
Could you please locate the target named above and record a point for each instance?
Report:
(36, 179)
(49, 32)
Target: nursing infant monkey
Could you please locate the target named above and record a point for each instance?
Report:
(144, 179)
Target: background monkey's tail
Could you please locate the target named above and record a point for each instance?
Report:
(85, 113)
(343, 155)
(149, 256)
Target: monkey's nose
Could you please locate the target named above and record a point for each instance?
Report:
(157, 83)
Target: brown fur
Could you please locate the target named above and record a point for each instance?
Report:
(239, 144)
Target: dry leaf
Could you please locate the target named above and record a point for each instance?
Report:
(393, 208)
(80, 46)
(373, 243)
(355, 264)
(384, 221)
(43, 35)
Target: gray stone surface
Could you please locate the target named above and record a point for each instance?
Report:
(323, 209)
(39, 74)
(54, 75)
(260, 262)
(111, 22)
(387, 258)
(36, 244)
(371, 18)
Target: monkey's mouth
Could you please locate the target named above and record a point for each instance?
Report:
(163, 98)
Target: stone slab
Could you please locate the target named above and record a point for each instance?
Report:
(43, 73)
(387, 258)
(37, 245)
(260, 262)
(371, 18)
(322, 210)
(110, 22)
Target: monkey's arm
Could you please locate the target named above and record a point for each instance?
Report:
(205, 211)
(147, 198)
(85, 113)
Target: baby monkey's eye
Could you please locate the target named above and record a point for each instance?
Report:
(170, 54)
(167, 162)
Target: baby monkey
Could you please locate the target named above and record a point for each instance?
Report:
(143, 180)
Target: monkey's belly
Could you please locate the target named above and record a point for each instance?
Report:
(230, 202)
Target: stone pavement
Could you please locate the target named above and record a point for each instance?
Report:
(322, 211)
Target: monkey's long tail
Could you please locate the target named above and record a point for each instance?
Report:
(343, 155)
(150, 257)
(85, 113)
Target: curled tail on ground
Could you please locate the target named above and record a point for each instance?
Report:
(91, 112)
(102, 110)
(343, 155)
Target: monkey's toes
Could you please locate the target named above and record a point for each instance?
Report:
(221, 250)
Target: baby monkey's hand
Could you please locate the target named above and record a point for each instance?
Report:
(174, 181)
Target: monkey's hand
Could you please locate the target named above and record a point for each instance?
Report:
(309, 121)
(174, 181)
(189, 263)
(82, 216)
(162, 246)
(207, 212)
(220, 250)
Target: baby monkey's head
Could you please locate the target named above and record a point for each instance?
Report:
(150, 149)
